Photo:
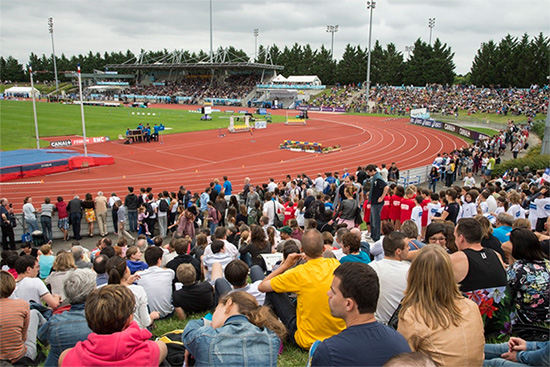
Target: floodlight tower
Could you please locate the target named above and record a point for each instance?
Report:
(332, 29)
(50, 28)
(256, 34)
(370, 5)
(431, 25)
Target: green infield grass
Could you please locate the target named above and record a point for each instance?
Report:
(17, 130)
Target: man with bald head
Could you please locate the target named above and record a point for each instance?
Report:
(8, 238)
(311, 319)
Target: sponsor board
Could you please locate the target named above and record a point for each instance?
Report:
(78, 141)
(474, 135)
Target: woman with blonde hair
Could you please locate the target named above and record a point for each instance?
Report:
(62, 266)
(241, 332)
(435, 318)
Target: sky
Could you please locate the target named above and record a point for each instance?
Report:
(119, 25)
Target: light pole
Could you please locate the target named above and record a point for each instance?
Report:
(256, 34)
(408, 50)
(370, 5)
(50, 28)
(332, 29)
(431, 25)
(34, 109)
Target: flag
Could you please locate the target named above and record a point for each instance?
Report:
(546, 175)
(78, 68)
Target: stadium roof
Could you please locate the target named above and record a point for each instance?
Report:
(221, 59)
(198, 65)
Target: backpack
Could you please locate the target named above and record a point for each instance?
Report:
(176, 350)
(149, 209)
(314, 209)
(164, 206)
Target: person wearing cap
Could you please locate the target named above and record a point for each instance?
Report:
(285, 233)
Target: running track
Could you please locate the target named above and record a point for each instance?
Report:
(194, 159)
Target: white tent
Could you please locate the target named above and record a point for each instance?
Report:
(304, 79)
(279, 79)
(24, 92)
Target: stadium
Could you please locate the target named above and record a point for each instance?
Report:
(158, 200)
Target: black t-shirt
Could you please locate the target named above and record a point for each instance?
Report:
(484, 271)
(34, 252)
(184, 259)
(198, 297)
(452, 209)
(493, 243)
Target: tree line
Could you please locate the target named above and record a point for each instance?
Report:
(512, 62)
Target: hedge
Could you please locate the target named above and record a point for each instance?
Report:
(533, 159)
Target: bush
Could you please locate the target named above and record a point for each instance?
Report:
(533, 159)
(538, 128)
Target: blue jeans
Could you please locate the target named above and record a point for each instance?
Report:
(536, 355)
(46, 227)
(375, 211)
(32, 224)
(432, 186)
(132, 220)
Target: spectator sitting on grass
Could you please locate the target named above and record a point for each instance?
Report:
(193, 296)
(109, 314)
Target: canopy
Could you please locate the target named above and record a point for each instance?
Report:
(21, 92)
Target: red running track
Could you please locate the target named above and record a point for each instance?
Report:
(194, 159)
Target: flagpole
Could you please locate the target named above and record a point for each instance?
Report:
(34, 109)
(82, 111)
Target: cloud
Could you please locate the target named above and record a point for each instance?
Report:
(118, 25)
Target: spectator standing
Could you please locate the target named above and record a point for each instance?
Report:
(131, 204)
(74, 209)
(101, 213)
(112, 201)
(89, 212)
(46, 211)
(29, 213)
(378, 190)
(6, 213)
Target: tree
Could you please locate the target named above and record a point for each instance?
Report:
(11, 70)
(483, 70)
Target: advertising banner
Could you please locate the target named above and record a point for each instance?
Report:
(474, 135)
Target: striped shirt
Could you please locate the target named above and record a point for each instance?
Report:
(14, 322)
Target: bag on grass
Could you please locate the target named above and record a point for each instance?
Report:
(176, 350)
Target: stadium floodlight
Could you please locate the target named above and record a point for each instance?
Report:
(50, 28)
(34, 109)
(256, 34)
(332, 29)
(370, 5)
(431, 25)
(408, 50)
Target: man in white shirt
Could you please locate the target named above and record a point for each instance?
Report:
(218, 256)
(392, 274)
(384, 172)
(271, 186)
(29, 287)
(157, 283)
(319, 183)
(271, 208)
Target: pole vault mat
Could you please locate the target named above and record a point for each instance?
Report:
(23, 163)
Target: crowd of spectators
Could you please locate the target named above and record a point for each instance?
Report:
(468, 260)
(449, 100)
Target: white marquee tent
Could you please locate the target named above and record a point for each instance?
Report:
(24, 92)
